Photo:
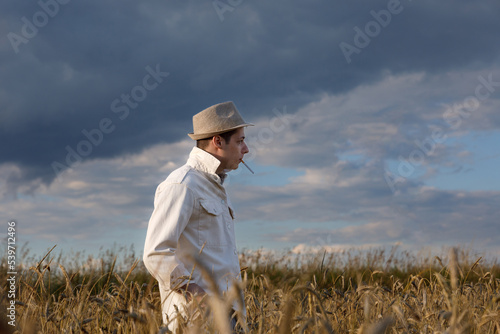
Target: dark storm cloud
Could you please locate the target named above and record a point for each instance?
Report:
(261, 55)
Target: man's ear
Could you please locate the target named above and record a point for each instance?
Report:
(217, 141)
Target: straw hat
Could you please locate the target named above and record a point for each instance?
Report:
(217, 119)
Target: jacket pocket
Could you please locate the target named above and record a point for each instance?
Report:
(211, 207)
(213, 229)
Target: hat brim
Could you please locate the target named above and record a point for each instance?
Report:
(199, 136)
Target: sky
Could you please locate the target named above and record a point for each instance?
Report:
(376, 122)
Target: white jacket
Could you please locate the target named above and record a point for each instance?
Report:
(191, 212)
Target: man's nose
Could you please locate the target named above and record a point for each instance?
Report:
(245, 149)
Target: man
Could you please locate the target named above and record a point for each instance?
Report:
(192, 215)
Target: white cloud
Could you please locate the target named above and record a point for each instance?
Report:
(382, 120)
(95, 198)
(374, 122)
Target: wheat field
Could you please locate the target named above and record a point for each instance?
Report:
(354, 291)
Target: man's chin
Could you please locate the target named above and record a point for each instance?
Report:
(235, 166)
(228, 169)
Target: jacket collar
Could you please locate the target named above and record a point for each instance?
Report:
(204, 162)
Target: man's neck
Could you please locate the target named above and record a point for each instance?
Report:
(220, 169)
(222, 177)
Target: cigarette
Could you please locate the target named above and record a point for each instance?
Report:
(250, 169)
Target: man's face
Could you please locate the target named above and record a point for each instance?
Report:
(234, 150)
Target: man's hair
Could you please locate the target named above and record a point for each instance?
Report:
(203, 143)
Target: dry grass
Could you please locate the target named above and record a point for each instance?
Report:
(353, 292)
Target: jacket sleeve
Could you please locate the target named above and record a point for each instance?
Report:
(173, 206)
